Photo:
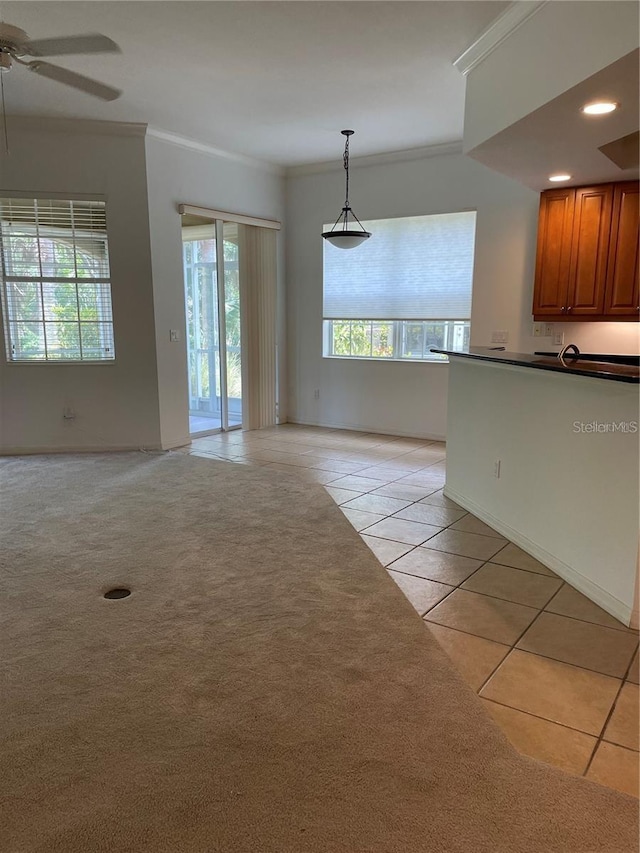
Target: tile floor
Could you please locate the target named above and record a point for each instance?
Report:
(206, 423)
(556, 673)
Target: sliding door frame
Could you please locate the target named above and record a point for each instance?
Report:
(253, 409)
(222, 325)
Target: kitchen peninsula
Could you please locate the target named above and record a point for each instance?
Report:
(546, 453)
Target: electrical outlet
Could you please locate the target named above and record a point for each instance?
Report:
(174, 335)
(558, 339)
(496, 469)
(316, 394)
(499, 337)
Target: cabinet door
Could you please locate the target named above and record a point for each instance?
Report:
(589, 250)
(553, 258)
(621, 294)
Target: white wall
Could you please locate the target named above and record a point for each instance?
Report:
(116, 404)
(594, 337)
(403, 398)
(410, 399)
(568, 497)
(178, 175)
(556, 48)
(141, 400)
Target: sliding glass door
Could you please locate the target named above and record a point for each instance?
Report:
(213, 312)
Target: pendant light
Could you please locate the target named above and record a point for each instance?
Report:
(342, 236)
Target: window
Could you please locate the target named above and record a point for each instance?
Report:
(56, 291)
(408, 288)
(400, 339)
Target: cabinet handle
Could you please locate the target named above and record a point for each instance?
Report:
(569, 308)
(563, 309)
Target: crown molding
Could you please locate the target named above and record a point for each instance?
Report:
(53, 124)
(441, 150)
(504, 25)
(212, 151)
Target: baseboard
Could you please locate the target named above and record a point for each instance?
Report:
(621, 611)
(365, 428)
(178, 442)
(98, 448)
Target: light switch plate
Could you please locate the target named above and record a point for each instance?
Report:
(174, 335)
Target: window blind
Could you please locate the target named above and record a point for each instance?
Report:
(413, 268)
(56, 288)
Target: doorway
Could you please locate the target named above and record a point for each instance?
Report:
(211, 263)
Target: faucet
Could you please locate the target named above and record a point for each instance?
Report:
(565, 349)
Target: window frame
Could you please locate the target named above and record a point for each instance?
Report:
(455, 327)
(398, 338)
(8, 321)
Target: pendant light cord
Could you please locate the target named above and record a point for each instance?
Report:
(344, 237)
(345, 160)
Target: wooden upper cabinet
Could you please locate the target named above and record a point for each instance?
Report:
(553, 258)
(622, 297)
(589, 250)
(587, 255)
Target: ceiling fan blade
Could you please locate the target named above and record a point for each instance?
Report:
(90, 43)
(78, 81)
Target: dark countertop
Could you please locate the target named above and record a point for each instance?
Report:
(571, 364)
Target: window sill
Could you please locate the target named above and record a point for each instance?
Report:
(65, 363)
(387, 360)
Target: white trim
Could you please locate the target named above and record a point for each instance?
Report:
(504, 25)
(387, 359)
(440, 150)
(174, 442)
(363, 428)
(212, 151)
(224, 215)
(77, 448)
(49, 194)
(595, 593)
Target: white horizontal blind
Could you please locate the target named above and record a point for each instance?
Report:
(55, 280)
(414, 268)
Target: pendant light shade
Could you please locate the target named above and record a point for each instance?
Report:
(344, 235)
(346, 239)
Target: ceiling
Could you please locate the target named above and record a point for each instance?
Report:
(558, 137)
(275, 81)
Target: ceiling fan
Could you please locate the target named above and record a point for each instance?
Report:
(15, 44)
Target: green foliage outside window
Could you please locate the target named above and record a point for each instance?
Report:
(202, 319)
(395, 339)
(68, 312)
(362, 338)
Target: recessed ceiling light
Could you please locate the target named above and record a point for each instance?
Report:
(599, 108)
(560, 177)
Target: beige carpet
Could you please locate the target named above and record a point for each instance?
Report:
(266, 687)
